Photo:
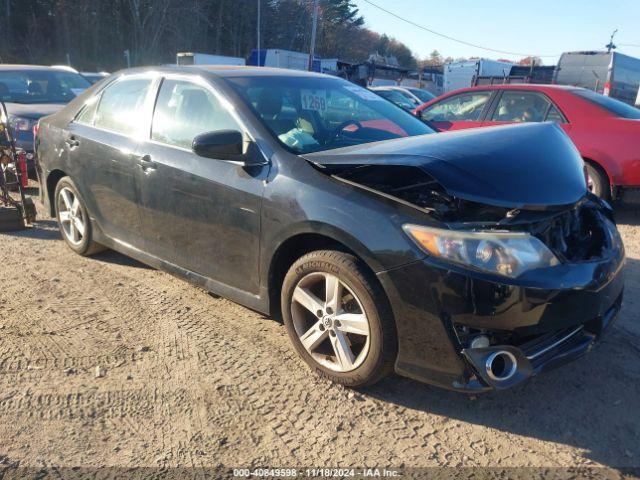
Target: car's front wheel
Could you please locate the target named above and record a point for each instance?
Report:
(338, 318)
(73, 219)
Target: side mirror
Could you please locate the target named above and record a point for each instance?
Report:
(221, 145)
(227, 145)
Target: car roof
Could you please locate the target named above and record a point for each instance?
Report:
(227, 71)
(540, 87)
(14, 67)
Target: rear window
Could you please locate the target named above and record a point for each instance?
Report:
(616, 107)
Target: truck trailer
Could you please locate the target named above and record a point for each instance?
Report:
(462, 74)
(278, 58)
(609, 73)
(191, 58)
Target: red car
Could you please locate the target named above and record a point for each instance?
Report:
(605, 131)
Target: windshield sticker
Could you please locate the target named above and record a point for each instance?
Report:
(314, 100)
(363, 93)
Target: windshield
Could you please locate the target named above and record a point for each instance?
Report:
(618, 108)
(309, 114)
(40, 86)
(423, 95)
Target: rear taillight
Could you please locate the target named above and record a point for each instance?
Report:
(607, 89)
(35, 129)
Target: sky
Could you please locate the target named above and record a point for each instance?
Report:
(539, 27)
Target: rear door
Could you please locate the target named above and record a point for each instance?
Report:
(199, 213)
(100, 144)
(520, 106)
(465, 110)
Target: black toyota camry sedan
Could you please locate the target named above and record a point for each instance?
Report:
(470, 260)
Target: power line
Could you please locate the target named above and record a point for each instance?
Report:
(455, 39)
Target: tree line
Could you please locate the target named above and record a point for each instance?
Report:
(93, 34)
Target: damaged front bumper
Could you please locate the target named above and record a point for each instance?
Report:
(504, 366)
(532, 324)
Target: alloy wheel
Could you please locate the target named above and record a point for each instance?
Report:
(330, 322)
(71, 216)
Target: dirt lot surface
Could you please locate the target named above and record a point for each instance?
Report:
(104, 361)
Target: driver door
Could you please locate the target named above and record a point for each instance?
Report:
(201, 214)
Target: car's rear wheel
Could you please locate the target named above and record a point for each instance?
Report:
(73, 219)
(597, 183)
(338, 318)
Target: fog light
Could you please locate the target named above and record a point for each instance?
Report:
(481, 341)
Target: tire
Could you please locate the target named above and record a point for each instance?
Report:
(360, 321)
(597, 183)
(71, 215)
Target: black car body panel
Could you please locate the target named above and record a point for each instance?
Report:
(229, 227)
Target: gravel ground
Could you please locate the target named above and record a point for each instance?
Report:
(104, 361)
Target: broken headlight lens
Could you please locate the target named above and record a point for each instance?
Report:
(504, 253)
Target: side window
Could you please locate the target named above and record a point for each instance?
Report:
(554, 115)
(88, 112)
(466, 107)
(520, 107)
(184, 110)
(121, 106)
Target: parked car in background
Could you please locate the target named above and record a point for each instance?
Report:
(605, 131)
(415, 94)
(396, 97)
(94, 77)
(612, 74)
(31, 92)
(471, 260)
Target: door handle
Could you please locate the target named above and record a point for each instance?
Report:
(72, 142)
(146, 163)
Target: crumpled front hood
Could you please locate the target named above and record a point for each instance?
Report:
(517, 166)
(33, 111)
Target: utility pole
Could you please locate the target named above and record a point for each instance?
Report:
(8, 21)
(611, 46)
(258, 34)
(314, 27)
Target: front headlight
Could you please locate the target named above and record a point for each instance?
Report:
(503, 253)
